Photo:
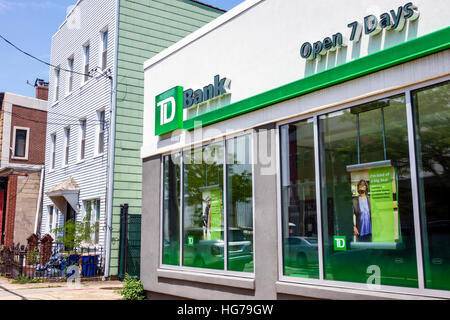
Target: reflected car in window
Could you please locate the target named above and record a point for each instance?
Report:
(202, 253)
(300, 251)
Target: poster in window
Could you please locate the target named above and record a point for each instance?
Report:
(212, 214)
(374, 202)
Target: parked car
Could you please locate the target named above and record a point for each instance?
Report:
(300, 251)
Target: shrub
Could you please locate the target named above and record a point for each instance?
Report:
(133, 289)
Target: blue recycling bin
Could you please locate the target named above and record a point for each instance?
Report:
(89, 264)
(71, 260)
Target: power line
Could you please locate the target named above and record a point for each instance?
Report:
(49, 64)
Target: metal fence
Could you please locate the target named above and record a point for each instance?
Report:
(51, 262)
(130, 243)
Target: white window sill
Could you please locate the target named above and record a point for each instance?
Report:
(80, 161)
(98, 155)
(222, 280)
(19, 158)
(68, 94)
(333, 293)
(54, 103)
(51, 170)
(64, 166)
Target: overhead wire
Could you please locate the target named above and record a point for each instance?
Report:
(47, 63)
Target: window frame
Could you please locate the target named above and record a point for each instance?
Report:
(86, 63)
(103, 50)
(66, 150)
(99, 130)
(94, 218)
(52, 152)
(71, 66)
(82, 134)
(219, 141)
(322, 282)
(57, 76)
(27, 143)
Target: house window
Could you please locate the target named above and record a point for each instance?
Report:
(82, 139)
(21, 138)
(57, 80)
(86, 53)
(66, 145)
(70, 63)
(53, 151)
(92, 219)
(51, 219)
(104, 51)
(101, 132)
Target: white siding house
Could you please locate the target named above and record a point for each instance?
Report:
(78, 119)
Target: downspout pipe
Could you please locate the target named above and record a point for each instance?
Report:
(38, 205)
(111, 150)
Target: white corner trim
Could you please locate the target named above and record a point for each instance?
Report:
(216, 23)
(25, 102)
(6, 138)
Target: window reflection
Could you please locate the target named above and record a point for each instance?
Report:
(300, 249)
(366, 194)
(432, 118)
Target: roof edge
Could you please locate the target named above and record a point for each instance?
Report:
(207, 28)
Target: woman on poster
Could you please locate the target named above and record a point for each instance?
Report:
(362, 227)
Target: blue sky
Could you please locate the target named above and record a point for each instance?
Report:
(30, 24)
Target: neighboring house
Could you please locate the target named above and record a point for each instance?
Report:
(22, 148)
(94, 130)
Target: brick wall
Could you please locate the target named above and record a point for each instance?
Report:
(10, 210)
(35, 120)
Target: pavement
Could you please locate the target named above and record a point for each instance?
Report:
(92, 290)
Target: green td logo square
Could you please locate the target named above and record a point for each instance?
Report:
(169, 111)
(190, 241)
(340, 243)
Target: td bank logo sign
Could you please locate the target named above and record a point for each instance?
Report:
(169, 111)
(340, 244)
(169, 105)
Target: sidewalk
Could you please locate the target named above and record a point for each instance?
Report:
(95, 290)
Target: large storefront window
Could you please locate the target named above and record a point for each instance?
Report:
(432, 118)
(217, 214)
(298, 194)
(203, 207)
(171, 209)
(239, 204)
(367, 214)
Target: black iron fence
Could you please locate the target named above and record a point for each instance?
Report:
(51, 262)
(130, 243)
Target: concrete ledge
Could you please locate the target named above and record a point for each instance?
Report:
(333, 293)
(221, 280)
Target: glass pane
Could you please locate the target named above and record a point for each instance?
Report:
(240, 204)
(21, 138)
(298, 194)
(203, 207)
(432, 117)
(366, 195)
(171, 209)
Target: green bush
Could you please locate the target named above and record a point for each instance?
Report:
(24, 279)
(133, 289)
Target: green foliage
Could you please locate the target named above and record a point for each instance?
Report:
(24, 279)
(33, 256)
(133, 289)
(73, 233)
